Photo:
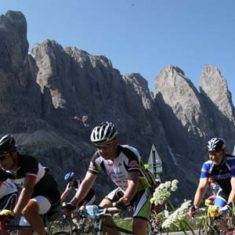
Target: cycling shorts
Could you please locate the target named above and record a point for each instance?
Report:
(221, 198)
(44, 206)
(140, 202)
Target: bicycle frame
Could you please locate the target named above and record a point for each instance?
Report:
(7, 228)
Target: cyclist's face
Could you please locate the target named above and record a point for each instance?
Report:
(108, 151)
(216, 156)
(6, 161)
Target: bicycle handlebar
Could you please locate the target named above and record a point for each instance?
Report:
(68, 206)
(109, 210)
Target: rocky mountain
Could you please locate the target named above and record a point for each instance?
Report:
(51, 97)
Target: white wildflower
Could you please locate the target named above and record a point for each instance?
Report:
(163, 192)
(174, 185)
(177, 215)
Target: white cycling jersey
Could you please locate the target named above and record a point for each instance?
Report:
(128, 160)
(7, 187)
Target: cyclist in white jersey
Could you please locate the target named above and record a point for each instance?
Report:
(122, 163)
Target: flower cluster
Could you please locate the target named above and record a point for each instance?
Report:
(213, 211)
(178, 215)
(163, 192)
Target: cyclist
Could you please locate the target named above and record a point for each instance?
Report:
(214, 188)
(122, 163)
(220, 168)
(38, 188)
(73, 184)
(8, 191)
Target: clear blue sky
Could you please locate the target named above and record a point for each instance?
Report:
(139, 35)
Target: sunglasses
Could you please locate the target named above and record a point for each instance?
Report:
(2, 157)
(104, 145)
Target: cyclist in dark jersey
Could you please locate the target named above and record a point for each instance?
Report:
(220, 168)
(122, 163)
(73, 185)
(39, 190)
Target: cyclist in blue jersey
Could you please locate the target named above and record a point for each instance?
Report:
(220, 168)
(73, 185)
(121, 163)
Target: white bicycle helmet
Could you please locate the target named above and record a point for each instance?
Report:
(103, 134)
(215, 144)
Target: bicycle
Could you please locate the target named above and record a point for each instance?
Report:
(93, 220)
(7, 229)
(51, 221)
(216, 224)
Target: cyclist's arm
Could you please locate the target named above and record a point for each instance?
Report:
(25, 194)
(201, 189)
(132, 186)
(64, 194)
(231, 197)
(84, 188)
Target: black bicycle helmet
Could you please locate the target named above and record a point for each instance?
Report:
(103, 133)
(215, 144)
(7, 143)
(69, 176)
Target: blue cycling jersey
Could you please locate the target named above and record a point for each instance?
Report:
(220, 173)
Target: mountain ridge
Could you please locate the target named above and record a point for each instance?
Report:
(51, 97)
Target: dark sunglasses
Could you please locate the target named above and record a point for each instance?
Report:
(2, 157)
(99, 146)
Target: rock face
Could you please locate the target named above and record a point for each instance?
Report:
(51, 97)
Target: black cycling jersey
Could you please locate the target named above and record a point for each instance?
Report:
(45, 183)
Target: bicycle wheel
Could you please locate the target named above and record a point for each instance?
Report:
(61, 233)
(153, 228)
(59, 226)
(208, 228)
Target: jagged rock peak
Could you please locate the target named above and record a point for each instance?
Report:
(140, 86)
(211, 70)
(178, 92)
(137, 79)
(46, 48)
(172, 77)
(215, 87)
(13, 19)
(45, 55)
(13, 38)
(173, 69)
(83, 57)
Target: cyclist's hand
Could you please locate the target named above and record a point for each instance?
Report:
(192, 211)
(225, 209)
(7, 215)
(123, 202)
(68, 206)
